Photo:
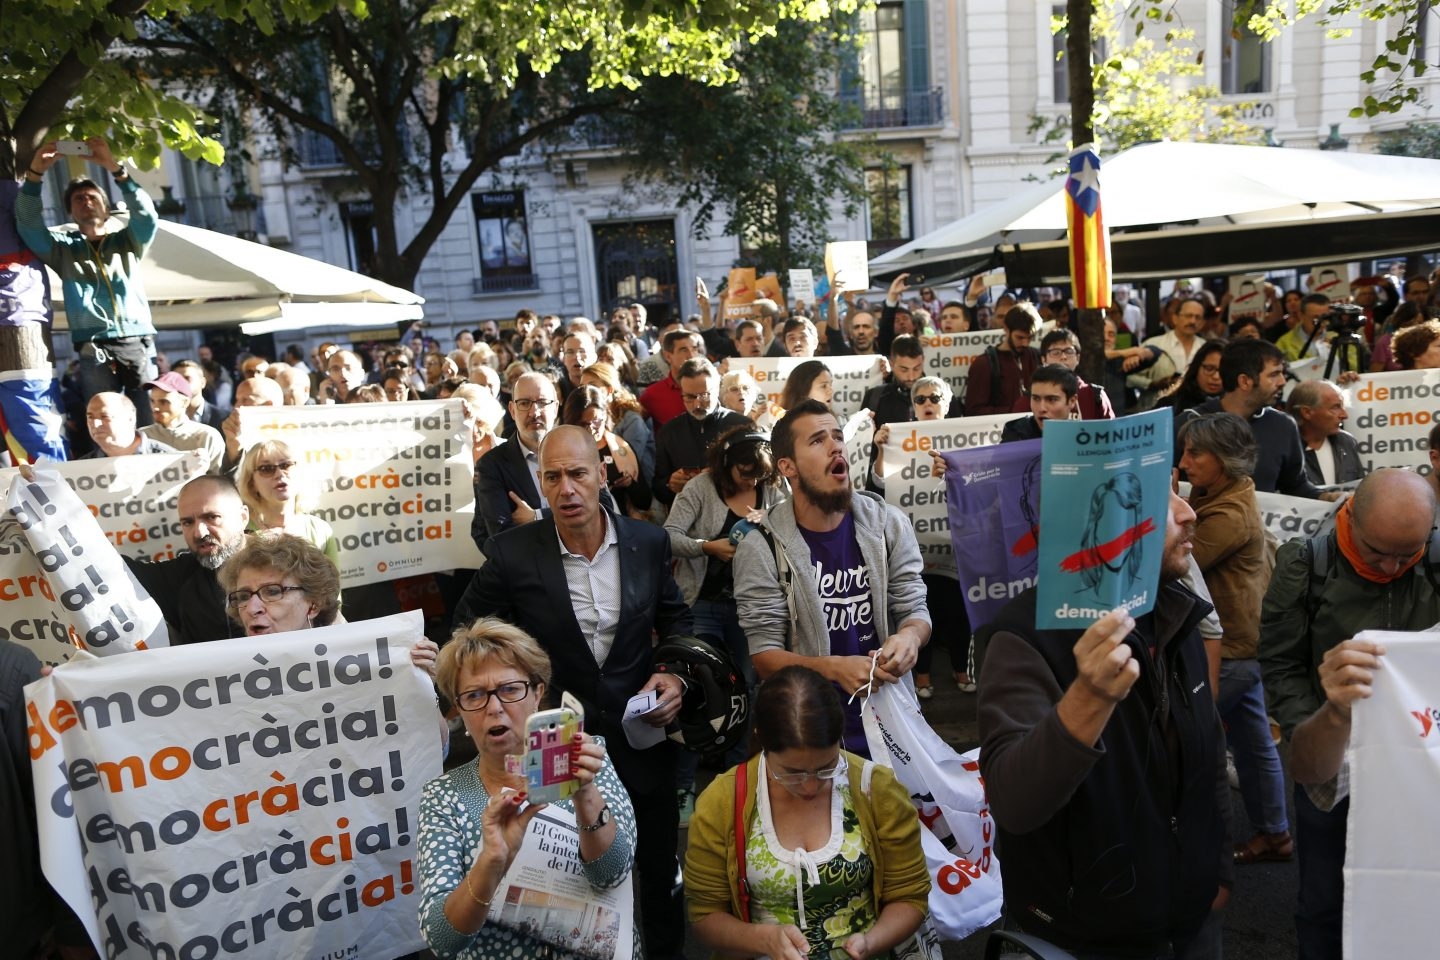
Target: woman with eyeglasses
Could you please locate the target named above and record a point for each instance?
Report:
(273, 484)
(817, 853)
(1201, 381)
(475, 819)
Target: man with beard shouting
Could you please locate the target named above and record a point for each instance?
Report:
(832, 580)
(213, 520)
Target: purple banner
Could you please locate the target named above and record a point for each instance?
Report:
(994, 495)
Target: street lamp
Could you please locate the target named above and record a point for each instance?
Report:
(169, 207)
(1334, 141)
(243, 205)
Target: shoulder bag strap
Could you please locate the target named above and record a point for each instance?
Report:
(741, 775)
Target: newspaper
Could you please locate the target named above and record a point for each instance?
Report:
(545, 895)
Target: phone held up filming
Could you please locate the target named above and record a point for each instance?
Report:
(549, 736)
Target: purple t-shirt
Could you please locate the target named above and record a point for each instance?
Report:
(844, 586)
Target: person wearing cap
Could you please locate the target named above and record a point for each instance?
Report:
(170, 404)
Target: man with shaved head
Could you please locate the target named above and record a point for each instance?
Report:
(1374, 571)
(616, 573)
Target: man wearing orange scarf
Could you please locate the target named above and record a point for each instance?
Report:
(1376, 578)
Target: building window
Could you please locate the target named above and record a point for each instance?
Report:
(882, 61)
(360, 241)
(504, 241)
(887, 207)
(1245, 59)
(1061, 66)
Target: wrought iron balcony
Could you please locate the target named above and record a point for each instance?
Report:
(910, 108)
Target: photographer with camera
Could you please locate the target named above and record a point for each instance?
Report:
(109, 316)
(1329, 331)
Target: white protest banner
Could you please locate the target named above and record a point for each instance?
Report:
(398, 481)
(250, 797)
(133, 498)
(1290, 518)
(847, 264)
(545, 892)
(802, 287)
(852, 377)
(859, 434)
(1391, 880)
(63, 544)
(949, 355)
(911, 485)
(1247, 296)
(1391, 415)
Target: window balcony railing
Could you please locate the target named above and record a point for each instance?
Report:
(910, 108)
(508, 284)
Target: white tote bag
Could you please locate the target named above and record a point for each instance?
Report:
(956, 830)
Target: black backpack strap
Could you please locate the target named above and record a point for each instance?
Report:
(993, 355)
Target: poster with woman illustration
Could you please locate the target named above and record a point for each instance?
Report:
(1104, 501)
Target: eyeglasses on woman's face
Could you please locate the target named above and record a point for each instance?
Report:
(798, 778)
(926, 398)
(267, 592)
(512, 691)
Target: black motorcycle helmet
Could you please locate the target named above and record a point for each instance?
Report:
(716, 705)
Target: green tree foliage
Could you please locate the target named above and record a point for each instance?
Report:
(1417, 140)
(1146, 89)
(58, 75)
(424, 96)
(764, 158)
(1402, 61)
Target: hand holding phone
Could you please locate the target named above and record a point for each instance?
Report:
(73, 148)
(549, 737)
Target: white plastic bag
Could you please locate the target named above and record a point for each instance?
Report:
(957, 832)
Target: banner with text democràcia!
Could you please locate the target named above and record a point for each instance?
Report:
(398, 481)
(1391, 881)
(910, 483)
(58, 555)
(254, 797)
(852, 377)
(1391, 416)
(859, 433)
(1104, 506)
(949, 355)
(994, 499)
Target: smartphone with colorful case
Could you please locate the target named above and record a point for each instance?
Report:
(549, 737)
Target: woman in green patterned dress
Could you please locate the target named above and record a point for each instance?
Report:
(832, 868)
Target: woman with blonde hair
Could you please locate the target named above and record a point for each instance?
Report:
(274, 485)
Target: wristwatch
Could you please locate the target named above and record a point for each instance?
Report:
(600, 821)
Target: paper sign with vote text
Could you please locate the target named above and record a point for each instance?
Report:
(253, 797)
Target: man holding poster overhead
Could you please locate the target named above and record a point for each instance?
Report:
(1104, 763)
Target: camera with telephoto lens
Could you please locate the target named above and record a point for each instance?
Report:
(1344, 318)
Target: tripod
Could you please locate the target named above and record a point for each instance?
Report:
(1344, 342)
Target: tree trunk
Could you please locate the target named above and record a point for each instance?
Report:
(1089, 324)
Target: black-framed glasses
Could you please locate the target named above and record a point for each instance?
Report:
(524, 406)
(512, 692)
(270, 469)
(926, 398)
(1064, 353)
(267, 592)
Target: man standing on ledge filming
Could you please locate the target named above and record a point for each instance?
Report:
(109, 316)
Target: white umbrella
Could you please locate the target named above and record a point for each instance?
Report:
(1189, 206)
(194, 278)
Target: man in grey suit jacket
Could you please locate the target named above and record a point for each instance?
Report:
(616, 574)
(1331, 455)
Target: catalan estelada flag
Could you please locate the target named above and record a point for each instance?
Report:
(1089, 240)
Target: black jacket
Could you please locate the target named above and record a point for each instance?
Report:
(1117, 848)
(685, 442)
(189, 596)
